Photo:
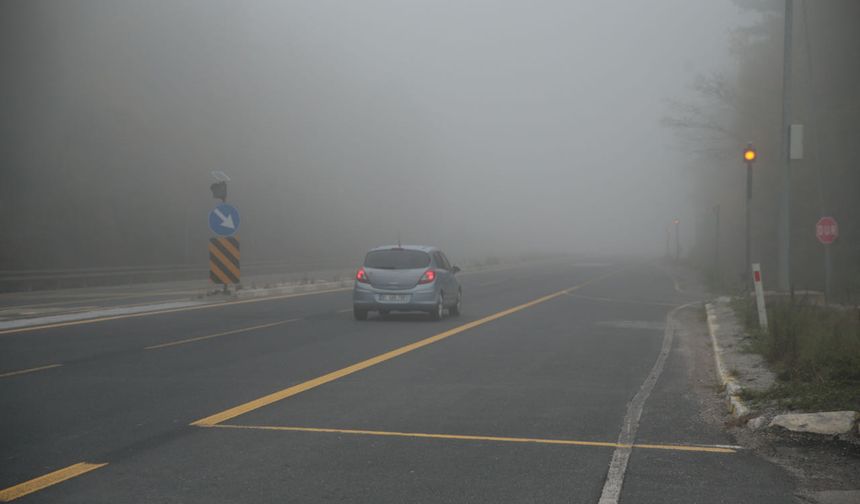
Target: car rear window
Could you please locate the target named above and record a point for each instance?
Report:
(397, 259)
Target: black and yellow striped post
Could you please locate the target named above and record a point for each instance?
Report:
(224, 260)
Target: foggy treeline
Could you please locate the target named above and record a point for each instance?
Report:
(745, 105)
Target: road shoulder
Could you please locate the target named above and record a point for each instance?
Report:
(686, 407)
(826, 468)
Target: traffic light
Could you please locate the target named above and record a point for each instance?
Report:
(219, 190)
(750, 154)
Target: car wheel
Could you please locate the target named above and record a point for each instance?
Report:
(455, 309)
(359, 314)
(438, 310)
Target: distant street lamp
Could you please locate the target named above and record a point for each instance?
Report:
(750, 156)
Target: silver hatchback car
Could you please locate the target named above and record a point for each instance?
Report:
(406, 278)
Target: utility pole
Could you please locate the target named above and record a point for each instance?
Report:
(187, 248)
(750, 156)
(717, 242)
(784, 230)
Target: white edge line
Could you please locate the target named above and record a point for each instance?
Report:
(29, 370)
(618, 465)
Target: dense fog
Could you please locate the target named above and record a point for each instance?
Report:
(483, 127)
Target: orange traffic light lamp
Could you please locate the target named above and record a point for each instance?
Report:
(750, 154)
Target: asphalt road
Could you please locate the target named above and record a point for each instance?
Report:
(520, 399)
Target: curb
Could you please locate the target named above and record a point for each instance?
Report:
(293, 289)
(736, 406)
(37, 322)
(285, 290)
(733, 390)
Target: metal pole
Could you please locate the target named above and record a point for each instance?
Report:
(717, 242)
(784, 231)
(187, 247)
(828, 273)
(668, 234)
(748, 256)
(814, 140)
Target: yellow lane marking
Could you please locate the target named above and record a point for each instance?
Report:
(30, 370)
(340, 373)
(569, 442)
(170, 310)
(42, 482)
(216, 335)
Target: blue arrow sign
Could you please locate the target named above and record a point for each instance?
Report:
(224, 220)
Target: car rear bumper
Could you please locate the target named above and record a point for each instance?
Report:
(420, 298)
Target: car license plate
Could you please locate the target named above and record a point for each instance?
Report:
(393, 298)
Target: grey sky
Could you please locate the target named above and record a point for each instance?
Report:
(469, 124)
(540, 117)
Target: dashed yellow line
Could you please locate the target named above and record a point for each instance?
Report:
(340, 373)
(30, 370)
(217, 335)
(36, 484)
(500, 439)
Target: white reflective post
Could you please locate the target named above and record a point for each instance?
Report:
(759, 296)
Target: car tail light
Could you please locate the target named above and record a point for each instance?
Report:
(427, 277)
(361, 276)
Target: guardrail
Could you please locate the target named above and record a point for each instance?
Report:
(30, 280)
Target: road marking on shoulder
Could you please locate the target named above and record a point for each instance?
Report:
(623, 301)
(83, 298)
(646, 325)
(30, 370)
(217, 335)
(618, 465)
(501, 439)
(493, 282)
(340, 373)
(42, 482)
(170, 310)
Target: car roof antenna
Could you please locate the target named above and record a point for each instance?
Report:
(398, 240)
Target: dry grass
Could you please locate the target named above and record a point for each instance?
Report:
(814, 350)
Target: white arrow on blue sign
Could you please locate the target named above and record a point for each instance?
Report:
(224, 220)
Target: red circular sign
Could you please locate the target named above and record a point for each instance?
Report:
(827, 230)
